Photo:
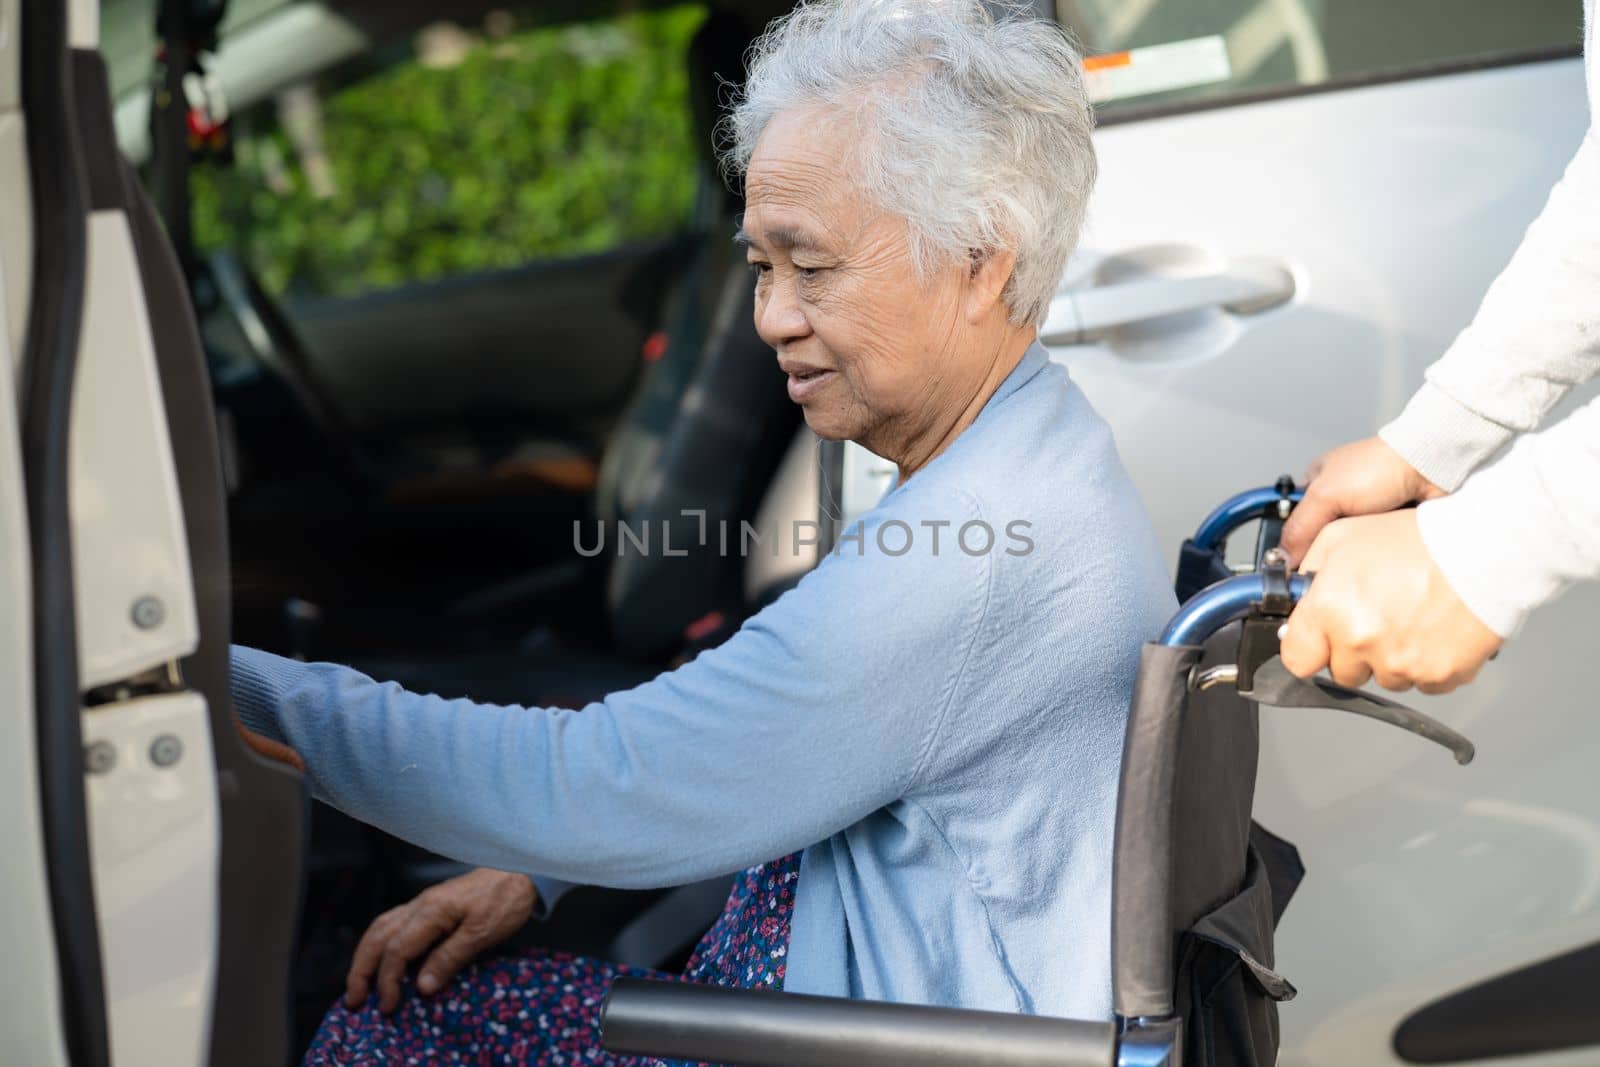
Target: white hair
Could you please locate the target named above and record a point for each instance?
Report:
(976, 129)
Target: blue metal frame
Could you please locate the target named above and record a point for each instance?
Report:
(1151, 1042)
(1234, 512)
(1216, 605)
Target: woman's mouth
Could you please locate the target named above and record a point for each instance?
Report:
(805, 379)
(804, 382)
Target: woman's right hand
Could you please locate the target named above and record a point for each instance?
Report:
(459, 919)
(1364, 477)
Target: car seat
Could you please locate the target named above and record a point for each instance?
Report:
(696, 448)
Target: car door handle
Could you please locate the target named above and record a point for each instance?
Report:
(1245, 287)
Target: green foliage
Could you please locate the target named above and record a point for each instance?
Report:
(551, 142)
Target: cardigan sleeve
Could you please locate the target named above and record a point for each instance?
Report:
(821, 709)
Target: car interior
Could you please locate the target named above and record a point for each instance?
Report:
(410, 469)
(474, 418)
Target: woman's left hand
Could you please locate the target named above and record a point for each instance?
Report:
(1380, 608)
(463, 917)
(1365, 477)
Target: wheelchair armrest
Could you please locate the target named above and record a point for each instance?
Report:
(762, 1028)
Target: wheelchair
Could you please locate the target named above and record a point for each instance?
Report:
(1198, 887)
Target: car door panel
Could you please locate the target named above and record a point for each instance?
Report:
(152, 794)
(1395, 206)
(30, 985)
(147, 785)
(56, 182)
(15, 219)
(128, 541)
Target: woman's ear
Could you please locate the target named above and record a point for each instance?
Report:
(988, 273)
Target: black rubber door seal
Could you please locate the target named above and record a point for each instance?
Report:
(49, 363)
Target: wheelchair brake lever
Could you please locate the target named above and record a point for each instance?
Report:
(1259, 675)
(1273, 684)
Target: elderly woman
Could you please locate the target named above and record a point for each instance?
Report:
(928, 726)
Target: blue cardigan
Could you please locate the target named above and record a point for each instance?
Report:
(936, 722)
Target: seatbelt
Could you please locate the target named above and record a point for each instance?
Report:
(185, 31)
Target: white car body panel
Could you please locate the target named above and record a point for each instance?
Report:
(790, 501)
(83, 24)
(154, 837)
(130, 556)
(153, 826)
(1394, 206)
(16, 229)
(28, 984)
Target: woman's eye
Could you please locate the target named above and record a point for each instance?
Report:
(809, 273)
(760, 269)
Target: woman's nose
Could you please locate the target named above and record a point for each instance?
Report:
(779, 317)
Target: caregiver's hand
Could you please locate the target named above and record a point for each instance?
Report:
(458, 919)
(1380, 608)
(1361, 478)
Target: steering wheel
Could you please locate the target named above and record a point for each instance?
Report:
(276, 345)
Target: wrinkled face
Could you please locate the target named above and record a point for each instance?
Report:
(874, 353)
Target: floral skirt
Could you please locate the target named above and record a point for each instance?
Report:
(541, 1009)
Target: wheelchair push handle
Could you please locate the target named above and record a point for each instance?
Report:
(1221, 603)
(1204, 557)
(1271, 504)
(1264, 601)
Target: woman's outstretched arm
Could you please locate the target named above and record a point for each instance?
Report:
(820, 710)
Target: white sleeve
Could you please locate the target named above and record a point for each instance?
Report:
(1524, 529)
(1535, 336)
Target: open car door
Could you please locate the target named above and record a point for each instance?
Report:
(155, 856)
